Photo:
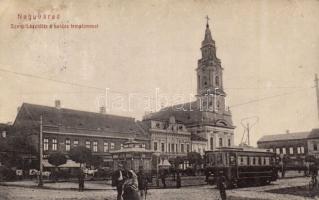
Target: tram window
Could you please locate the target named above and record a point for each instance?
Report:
(267, 161)
(284, 150)
(259, 161)
(245, 160)
(232, 160)
(240, 160)
(302, 149)
(219, 159)
(291, 150)
(212, 159)
(278, 151)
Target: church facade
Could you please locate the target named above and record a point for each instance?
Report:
(207, 118)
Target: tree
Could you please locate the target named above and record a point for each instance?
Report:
(311, 159)
(178, 160)
(96, 161)
(57, 159)
(15, 149)
(194, 158)
(80, 154)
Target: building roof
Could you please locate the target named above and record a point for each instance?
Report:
(286, 136)
(189, 114)
(195, 137)
(4, 126)
(68, 120)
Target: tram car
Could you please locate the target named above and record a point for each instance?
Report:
(241, 166)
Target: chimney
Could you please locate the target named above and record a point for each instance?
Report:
(57, 104)
(287, 131)
(102, 110)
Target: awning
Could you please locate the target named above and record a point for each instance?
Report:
(164, 164)
(68, 164)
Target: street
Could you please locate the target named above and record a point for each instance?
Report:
(186, 193)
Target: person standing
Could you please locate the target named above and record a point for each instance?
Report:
(163, 176)
(130, 187)
(81, 180)
(221, 186)
(142, 181)
(118, 179)
(178, 180)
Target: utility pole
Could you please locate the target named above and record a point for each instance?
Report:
(248, 140)
(317, 92)
(247, 127)
(41, 153)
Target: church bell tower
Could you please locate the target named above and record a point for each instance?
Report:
(210, 92)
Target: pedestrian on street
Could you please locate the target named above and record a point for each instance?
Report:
(221, 186)
(142, 182)
(163, 176)
(178, 179)
(81, 180)
(130, 187)
(118, 179)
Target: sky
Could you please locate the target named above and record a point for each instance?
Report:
(143, 56)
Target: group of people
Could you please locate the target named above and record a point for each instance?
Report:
(129, 186)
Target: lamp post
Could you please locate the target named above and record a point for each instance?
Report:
(41, 153)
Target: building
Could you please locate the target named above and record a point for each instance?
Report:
(169, 137)
(4, 129)
(199, 144)
(64, 129)
(296, 146)
(207, 117)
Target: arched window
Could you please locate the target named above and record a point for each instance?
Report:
(205, 81)
(217, 81)
(211, 143)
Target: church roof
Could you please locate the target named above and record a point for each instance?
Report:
(190, 115)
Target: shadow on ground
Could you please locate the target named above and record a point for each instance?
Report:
(302, 191)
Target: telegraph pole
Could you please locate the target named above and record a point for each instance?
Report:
(247, 127)
(41, 153)
(248, 140)
(317, 92)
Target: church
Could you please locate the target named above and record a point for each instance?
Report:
(204, 124)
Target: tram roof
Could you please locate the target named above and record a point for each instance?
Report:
(240, 149)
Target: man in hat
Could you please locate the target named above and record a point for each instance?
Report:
(142, 181)
(221, 185)
(163, 176)
(118, 179)
(81, 177)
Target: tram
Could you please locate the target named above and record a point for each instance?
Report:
(241, 166)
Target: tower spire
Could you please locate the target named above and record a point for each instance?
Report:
(208, 36)
(207, 18)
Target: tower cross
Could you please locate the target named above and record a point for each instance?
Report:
(207, 18)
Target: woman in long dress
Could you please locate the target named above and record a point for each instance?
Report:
(130, 187)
